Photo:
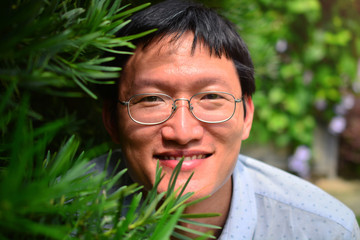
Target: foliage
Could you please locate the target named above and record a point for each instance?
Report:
(55, 49)
(59, 44)
(51, 52)
(305, 55)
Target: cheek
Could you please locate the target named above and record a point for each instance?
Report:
(138, 137)
(137, 143)
(229, 133)
(139, 162)
(130, 132)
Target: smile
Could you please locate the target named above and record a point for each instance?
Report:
(191, 161)
(187, 158)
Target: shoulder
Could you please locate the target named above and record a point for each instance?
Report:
(111, 163)
(275, 187)
(108, 162)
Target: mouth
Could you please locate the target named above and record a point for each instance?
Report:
(191, 160)
(178, 158)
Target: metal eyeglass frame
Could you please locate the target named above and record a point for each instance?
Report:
(174, 106)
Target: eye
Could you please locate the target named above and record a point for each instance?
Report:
(147, 100)
(212, 96)
(151, 99)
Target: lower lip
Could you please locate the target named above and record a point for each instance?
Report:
(186, 165)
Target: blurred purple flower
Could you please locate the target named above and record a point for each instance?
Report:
(299, 162)
(308, 77)
(347, 103)
(339, 109)
(356, 86)
(303, 153)
(337, 125)
(281, 45)
(320, 104)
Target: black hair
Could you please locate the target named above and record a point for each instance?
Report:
(175, 17)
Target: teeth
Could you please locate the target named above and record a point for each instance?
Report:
(189, 158)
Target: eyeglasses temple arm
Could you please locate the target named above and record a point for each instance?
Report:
(123, 102)
(243, 101)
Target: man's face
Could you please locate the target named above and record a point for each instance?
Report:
(170, 68)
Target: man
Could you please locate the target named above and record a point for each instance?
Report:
(187, 92)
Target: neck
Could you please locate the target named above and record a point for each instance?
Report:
(219, 202)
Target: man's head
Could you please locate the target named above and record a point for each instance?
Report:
(193, 51)
(174, 18)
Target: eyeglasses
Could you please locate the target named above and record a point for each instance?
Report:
(156, 108)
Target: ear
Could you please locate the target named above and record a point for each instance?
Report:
(248, 118)
(109, 120)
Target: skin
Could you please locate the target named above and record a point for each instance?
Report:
(170, 68)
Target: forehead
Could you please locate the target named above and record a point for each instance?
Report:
(168, 58)
(171, 45)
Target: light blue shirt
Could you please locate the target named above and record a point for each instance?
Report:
(268, 203)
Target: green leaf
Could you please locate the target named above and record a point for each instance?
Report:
(200, 215)
(278, 122)
(189, 230)
(199, 224)
(83, 87)
(166, 225)
(130, 11)
(64, 157)
(276, 95)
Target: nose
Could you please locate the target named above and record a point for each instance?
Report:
(182, 127)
